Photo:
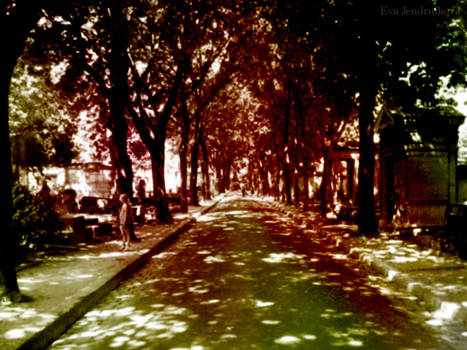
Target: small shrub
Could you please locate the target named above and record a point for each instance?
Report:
(34, 220)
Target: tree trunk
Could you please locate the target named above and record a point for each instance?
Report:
(305, 165)
(265, 188)
(205, 169)
(119, 93)
(226, 176)
(366, 200)
(194, 173)
(17, 24)
(160, 197)
(183, 158)
(297, 145)
(121, 161)
(9, 242)
(183, 174)
(301, 139)
(296, 185)
(220, 181)
(286, 175)
(368, 89)
(297, 190)
(325, 180)
(154, 134)
(118, 99)
(306, 193)
(286, 160)
(277, 189)
(194, 165)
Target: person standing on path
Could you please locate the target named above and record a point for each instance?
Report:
(124, 220)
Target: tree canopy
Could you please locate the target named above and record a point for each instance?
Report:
(256, 92)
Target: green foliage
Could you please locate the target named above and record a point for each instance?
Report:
(34, 220)
(37, 120)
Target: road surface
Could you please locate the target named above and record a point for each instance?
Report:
(245, 277)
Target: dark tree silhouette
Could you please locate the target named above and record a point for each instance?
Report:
(17, 21)
(370, 49)
(17, 18)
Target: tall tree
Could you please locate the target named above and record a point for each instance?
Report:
(370, 47)
(90, 41)
(119, 95)
(17, 18)
(201, 84)
(158, 67)
(396, 46)
(187, 38)
(273, 88)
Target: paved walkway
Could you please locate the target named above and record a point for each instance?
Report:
(64, 287)
(244, 277)
(437, 280)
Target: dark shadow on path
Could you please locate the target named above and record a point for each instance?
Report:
(244, 278)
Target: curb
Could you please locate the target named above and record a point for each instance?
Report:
(51, 332)
(403, 281)
(435, 305)
(439, 311)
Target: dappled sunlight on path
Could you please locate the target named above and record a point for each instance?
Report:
(65, 278)
(244, 278)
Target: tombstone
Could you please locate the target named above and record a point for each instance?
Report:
(417, 166)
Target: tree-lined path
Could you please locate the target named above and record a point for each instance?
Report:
(245, 277)
(253, 95)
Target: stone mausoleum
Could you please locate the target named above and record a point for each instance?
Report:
(417, 161)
